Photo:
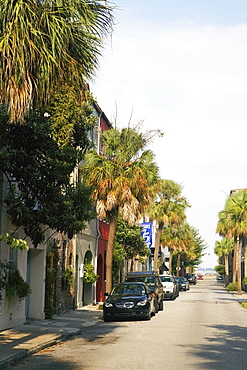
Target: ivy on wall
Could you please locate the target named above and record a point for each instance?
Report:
(12, 283)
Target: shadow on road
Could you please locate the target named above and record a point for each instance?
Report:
(227, 350)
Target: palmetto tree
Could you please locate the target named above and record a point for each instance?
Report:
(123, 178)
(186, 244)
(189, 246)
(225, 230)
(178, 237)
(197, 249)
(45, 42)
(235, 219)
(222, 249)
(168, 207)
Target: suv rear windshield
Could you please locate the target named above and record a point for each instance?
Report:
(165, 278)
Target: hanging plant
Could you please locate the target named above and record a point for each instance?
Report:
(89, 274)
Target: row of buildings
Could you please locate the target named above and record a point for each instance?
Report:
(55, 270)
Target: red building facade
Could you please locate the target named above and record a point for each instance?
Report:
(103, 227)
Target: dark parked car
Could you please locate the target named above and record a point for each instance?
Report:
(129, 300)
(170, 286)
(152, 280)
(183, 283)
(191, 278)
(219, 278)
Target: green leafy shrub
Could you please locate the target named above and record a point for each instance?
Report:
(89, 274)
(243, 304)
(245, 280)
(232, 287)
(16, 286)
(12, 282)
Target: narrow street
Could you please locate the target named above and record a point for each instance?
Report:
(205, 328)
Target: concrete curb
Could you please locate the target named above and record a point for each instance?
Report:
(24, 353)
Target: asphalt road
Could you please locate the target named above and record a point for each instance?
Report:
(205, 328)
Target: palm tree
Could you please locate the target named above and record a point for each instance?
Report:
(197, 249)
(225, 230)
(185, 245)
(176, 239)
(236, 216)
(123, 178)
(189, 245)
(168, 207)
(45, 42)
(222, 249)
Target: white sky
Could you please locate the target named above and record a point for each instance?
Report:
(181, 66)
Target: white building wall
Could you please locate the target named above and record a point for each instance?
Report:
(31, 265)
(13, 313)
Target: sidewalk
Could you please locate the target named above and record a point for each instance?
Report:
(22, 341)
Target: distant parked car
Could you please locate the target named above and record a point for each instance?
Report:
(219, 278)
(183, 283)
(129, 300)
(170, 286)
(152, 280)
(200, 277)
(191, 278)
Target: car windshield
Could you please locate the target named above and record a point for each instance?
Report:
(129, 290)
(165, 279)
(143, 279)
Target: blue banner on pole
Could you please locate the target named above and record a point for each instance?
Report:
(147, 233)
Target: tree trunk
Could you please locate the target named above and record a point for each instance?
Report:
(226, 269)
(109, 254)
(124, 270)
(245, 258)
(178, 264)
(131, 265)
(170, 262)
(156, 249)
(234, 260)
(239, 256)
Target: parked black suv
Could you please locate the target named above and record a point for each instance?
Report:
(152, 280)
(191, 278)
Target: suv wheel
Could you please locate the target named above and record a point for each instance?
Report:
(106, 319)
(148, 317)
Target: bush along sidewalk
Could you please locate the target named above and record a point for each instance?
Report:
(232, 287)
